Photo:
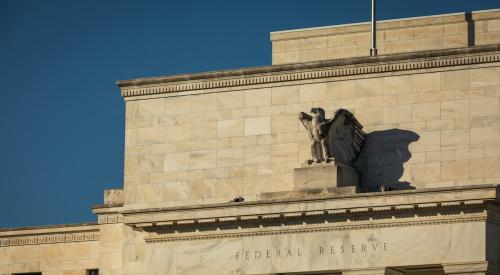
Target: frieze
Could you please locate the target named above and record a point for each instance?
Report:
(490, 54)
(50, 238)
(319, 223)
(106, 219)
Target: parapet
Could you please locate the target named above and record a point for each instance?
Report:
(424, 33)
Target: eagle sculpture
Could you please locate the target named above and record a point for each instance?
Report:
(338, 139)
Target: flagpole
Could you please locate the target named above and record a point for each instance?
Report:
(373, 49)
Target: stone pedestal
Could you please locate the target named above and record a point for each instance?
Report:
(324, 175)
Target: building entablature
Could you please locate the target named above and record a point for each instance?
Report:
(319, 71)
(362, 210)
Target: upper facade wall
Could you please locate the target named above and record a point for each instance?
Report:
(432, 119)
(429, 128)
(393, 36)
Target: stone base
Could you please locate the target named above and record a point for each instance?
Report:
(311, 193)
(324, 175)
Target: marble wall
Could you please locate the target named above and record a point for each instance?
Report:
(429, 129)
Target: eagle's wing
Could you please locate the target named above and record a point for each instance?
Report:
(307, 122)
(345, 137)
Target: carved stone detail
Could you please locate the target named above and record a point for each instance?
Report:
(49, 238)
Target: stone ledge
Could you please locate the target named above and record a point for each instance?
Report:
(361, 202)
(289, 72)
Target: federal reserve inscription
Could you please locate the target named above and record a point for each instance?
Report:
(332, 250)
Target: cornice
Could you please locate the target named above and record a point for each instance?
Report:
(328, 70)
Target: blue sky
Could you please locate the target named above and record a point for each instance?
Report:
(61, 114)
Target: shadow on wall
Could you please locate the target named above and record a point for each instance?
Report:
(381, 159)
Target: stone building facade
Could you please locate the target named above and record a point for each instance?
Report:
(429, 104)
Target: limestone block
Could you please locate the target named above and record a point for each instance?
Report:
(162, 148)
(397, 114)
(176, 132)
(485, 121)
(493, 25)
(368, 87)
(324, 176)
(455, 170)
(176, 162)
(76, 251)
(230, 157)
(397, 85)
(136, 179)
(312, 92)
(278, 46)
(202, 159)
(286, 57)
(204, 130)
(177, 105)
(485, 168)
(231, 100)
(455, 80)
(450, 29)
(257, 154)
(148, 193)
(407, 34)
(340, 90)
(163, 177)
(313, 55)
(287, 152)
(143, 164)
(144, 108)
(256, 184)
(439, 156)
(425, 82)
(257, 126)
(484, 77)
(425, 172)
(130, 137)
(485, 106)
(454, 109)
(484, 137)
(426, 111)
(151, 135)
(348, 39)
(334, 40)
(133, 123)
(455, 139)
(259, 97)
(113, 196)
(284, 123)
(244, 141)
(320, 42)
(285, 95)
(137, 150)
(204, 102)
(371, 115)
(429, 43)
(290, 109)
(281, 182)
(215, 115)
(230, 128)
(456, 41)
(429, 31)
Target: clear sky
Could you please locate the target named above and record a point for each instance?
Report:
(61, 114)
